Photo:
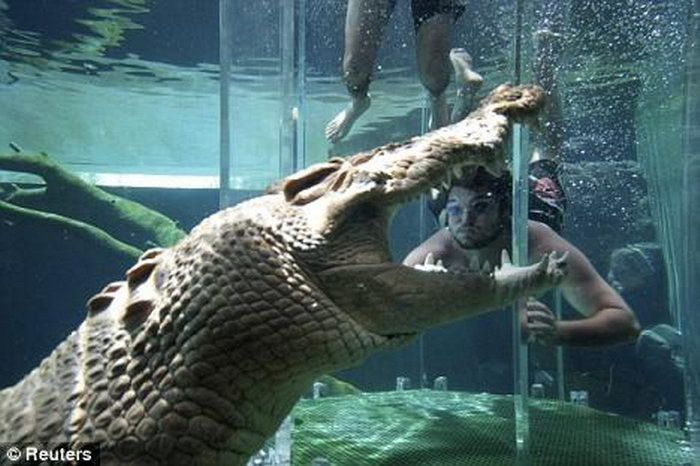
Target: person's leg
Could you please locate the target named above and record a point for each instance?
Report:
(364, 26)
(432, 49)
(468, 83)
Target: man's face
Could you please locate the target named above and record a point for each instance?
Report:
(473, 217)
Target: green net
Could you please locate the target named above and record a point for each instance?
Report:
(454, 428)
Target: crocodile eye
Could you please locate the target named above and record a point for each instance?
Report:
(160, 277)
(514, 95)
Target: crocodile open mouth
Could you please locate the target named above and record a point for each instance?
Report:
(397, 173)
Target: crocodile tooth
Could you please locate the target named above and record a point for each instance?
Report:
(457, 172)
(505, 258)
(474, 264)
(487, 267)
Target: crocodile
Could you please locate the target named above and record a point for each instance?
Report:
(200, 353)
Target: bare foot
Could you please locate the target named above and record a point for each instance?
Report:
(462, 64)
(339, 126)
(468, 82)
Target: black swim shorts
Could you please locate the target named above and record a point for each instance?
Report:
(423, 10)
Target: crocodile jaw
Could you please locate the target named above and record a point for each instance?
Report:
(397, 173)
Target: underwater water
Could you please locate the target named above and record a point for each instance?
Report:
(126, 94)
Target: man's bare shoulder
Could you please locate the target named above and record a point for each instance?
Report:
(438, 244)
(544, 240)
(440, 240)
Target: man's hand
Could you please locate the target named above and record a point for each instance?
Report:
(539, 323)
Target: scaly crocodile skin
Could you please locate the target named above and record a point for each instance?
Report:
(205, 347)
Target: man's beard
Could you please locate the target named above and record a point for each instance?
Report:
(480, 242)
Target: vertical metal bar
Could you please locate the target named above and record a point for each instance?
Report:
(560, 349)
(423, 231)
(424, 114)
(689, 294)
(422, 374)
(551, 15)
(517, 42)
(520, 257)
(423, 235)
(225, 11)
(293, 85)
(287, 140)
(424, 220)
(300, 114)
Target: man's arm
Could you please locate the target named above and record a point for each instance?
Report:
(433, 245)
(417, 256)
(609, 320)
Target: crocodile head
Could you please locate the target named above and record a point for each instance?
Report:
(343, 209)
(200, 354)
